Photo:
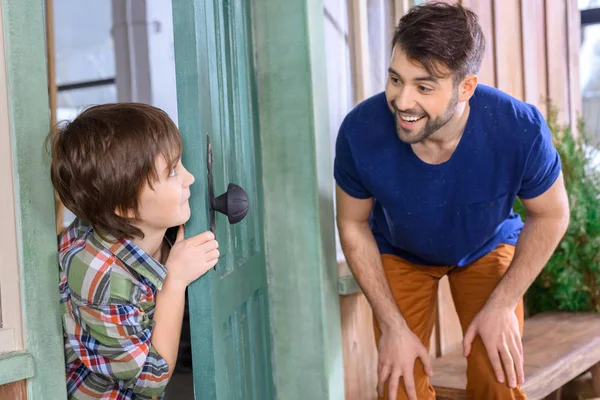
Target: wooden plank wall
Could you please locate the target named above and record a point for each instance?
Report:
(14, 391)
(535, 62)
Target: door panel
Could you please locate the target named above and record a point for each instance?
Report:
(234, 154)
(229, 314)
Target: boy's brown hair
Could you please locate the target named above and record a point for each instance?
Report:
(104, 157)
(439, 34)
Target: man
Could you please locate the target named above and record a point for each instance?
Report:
(427, 173)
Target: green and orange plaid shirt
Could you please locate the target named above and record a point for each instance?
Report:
(108, 293)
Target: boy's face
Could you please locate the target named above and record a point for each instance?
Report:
(165, 204)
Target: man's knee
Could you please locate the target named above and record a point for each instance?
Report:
(482, 382)
(422, 386)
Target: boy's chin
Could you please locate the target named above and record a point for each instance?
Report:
(180, 220)
(185, 217)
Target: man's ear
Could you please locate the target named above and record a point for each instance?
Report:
(467, 87)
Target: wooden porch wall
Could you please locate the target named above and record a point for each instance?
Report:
(534, 61)
(14, 391)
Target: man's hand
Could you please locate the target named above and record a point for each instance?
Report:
(398, 351)
(499, 330)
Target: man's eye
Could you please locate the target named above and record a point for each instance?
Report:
(395, 80)
(424, 89)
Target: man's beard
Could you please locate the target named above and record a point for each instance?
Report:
(431, 126)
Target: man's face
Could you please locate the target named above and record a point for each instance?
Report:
(421, 103)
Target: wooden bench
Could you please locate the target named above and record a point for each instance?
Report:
(558, 347)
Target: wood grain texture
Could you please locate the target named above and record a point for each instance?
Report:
(557, 56)
(16, 366)
(230, 324)
(358, 41)
(190, 26)
(574, 43)
(52, 94)
(35, 215)
(508, 45)
(557, 346)
(450, 334)
(14, 391)
(596, 379)
(534, 53)
(360, 352)
(484, 11)
(401, 7)
(296, 165)
(10, 291)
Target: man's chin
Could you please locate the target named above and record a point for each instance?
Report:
(409, 137)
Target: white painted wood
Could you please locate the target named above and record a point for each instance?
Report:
(10, 300)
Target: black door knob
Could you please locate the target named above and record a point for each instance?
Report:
(233, 203)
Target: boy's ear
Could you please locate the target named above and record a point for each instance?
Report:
(128, 214)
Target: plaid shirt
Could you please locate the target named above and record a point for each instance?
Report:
(108, 294)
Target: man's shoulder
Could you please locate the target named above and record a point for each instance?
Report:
(489, 102)
(515, 122)
(94, 274)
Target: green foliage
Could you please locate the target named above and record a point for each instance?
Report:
(571, 279)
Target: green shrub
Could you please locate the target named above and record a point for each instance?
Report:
(571, 279)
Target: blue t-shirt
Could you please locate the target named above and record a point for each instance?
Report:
(458, 211)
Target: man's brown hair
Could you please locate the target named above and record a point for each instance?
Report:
(104, 157)
(442, 35)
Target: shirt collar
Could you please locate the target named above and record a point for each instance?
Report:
(135, 258)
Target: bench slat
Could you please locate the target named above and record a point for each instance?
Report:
(557, 346)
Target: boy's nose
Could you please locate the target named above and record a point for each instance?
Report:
(190, 179)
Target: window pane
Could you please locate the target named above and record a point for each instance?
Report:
(79, 99)
(83, 41)
(585, 4)
(589, 65)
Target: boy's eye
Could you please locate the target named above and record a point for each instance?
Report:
(173, 172)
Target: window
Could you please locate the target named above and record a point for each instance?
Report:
(84, 61)
(589, 66)
(587, 4)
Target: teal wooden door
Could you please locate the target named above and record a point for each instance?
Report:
(229, 315)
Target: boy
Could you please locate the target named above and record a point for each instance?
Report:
(118, 168)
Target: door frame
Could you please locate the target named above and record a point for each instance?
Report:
(298, 199)
(297, 188)
(41, 361)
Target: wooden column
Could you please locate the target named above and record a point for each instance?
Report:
(534, 53)
(359, 49)
(52, 95)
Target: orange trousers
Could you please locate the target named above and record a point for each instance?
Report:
(415, 290)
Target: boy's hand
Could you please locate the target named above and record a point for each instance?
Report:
(189, 259)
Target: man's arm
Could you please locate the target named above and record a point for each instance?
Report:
(546, 223)
(363, 258)
(398, 346)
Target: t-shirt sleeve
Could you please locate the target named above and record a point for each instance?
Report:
(344, 169)
(542, 166)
